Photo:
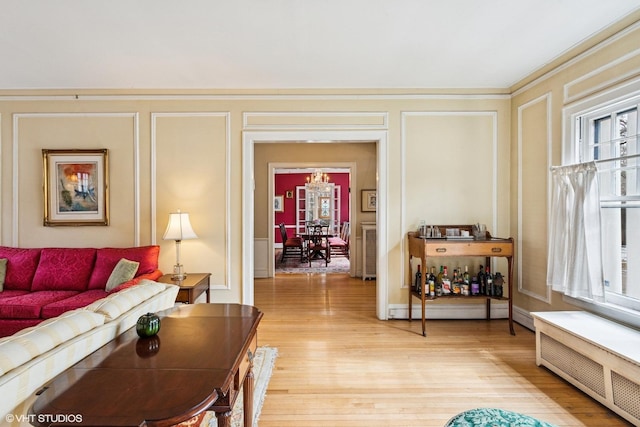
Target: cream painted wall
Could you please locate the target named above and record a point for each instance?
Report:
(537, 131)
(459, 156)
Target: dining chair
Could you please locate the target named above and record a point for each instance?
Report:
(318, 245)
(291, 246)
(339, 245)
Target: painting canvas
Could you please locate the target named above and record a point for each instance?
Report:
(278, 204)
(75, 187)
(369, 201)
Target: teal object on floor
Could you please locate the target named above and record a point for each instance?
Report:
(492, 417)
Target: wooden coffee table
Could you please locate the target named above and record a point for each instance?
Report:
(199, 360)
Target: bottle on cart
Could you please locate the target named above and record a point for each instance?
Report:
(439, 282)
(455, 283)
(417, 285)
(465, 276)
(475, 286)
(481, 282)
(498, 285)
(488, 278)
(446, 282)
(432, 282)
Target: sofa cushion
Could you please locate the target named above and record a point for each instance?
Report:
(107, 258)
(3, 272)
(133, 282)
(29, 305)
(9, 293)
(124, 271)
(80, 300)
(120, 302)
(21, 266)
(31, 342)
(64, 269)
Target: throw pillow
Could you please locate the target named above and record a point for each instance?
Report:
(124, 271)
(3, 272)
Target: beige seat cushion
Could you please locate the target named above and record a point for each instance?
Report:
(120, 302)
(29, 343)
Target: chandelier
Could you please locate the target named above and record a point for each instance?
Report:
(318, 181)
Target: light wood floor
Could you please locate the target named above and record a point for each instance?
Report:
(340, 366)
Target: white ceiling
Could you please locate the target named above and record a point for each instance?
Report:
(280, 44)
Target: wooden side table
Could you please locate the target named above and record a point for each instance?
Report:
(191, 287)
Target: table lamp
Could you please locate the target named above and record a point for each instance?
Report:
(179, 229)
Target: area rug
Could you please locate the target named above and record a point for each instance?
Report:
(293, 265)
(263, 362)
(492, 417)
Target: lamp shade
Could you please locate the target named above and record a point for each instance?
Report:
(179, 227)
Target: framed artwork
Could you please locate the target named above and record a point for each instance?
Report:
(76, 187)
(369, 200)
(278, 203)
(289, 194)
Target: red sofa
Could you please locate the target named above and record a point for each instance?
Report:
(41, 283)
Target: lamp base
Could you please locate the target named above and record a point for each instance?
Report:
(178, 272)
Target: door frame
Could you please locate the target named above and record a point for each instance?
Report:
(272, 170)
(250, 138)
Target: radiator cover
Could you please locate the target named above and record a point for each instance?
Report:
(600, 371)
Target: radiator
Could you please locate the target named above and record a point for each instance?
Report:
(596, 355)
(369, 251)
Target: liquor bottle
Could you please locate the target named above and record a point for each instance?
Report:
(498, 285)
(456, 285)
(439, 282)
(432, 282)
(488, 278)
(446, 282)
(475, 286)
(417, 284)
(465, 276)
(481, 281)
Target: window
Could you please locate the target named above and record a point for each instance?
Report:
(609, 135)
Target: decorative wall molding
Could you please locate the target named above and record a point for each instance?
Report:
(261, 97)
(15, 173)
(403, 154)
(314, 120)
(546, 99)
(227, 116)
(627, 67)
(573, 61)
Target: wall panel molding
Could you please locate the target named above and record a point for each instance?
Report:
(157, 116)
(314, 120)
(17, 117)
(615, 72)
(493, 115)
(546, 101)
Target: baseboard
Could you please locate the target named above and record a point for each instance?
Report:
(523, 317)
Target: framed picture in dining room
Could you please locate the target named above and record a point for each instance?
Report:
(369, 201)
(278, 203)
(76, 187)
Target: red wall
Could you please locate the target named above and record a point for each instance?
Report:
(288, 182)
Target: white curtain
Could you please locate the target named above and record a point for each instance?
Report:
(574, 265)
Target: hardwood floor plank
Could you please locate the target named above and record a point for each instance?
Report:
(340, 366)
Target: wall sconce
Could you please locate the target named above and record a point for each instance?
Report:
(179, 229)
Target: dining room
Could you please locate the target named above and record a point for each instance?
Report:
(312, 210)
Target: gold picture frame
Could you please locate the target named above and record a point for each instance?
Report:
(76, 187)
(369, 201)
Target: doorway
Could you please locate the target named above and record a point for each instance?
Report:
(251, 138)
(330, 204)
